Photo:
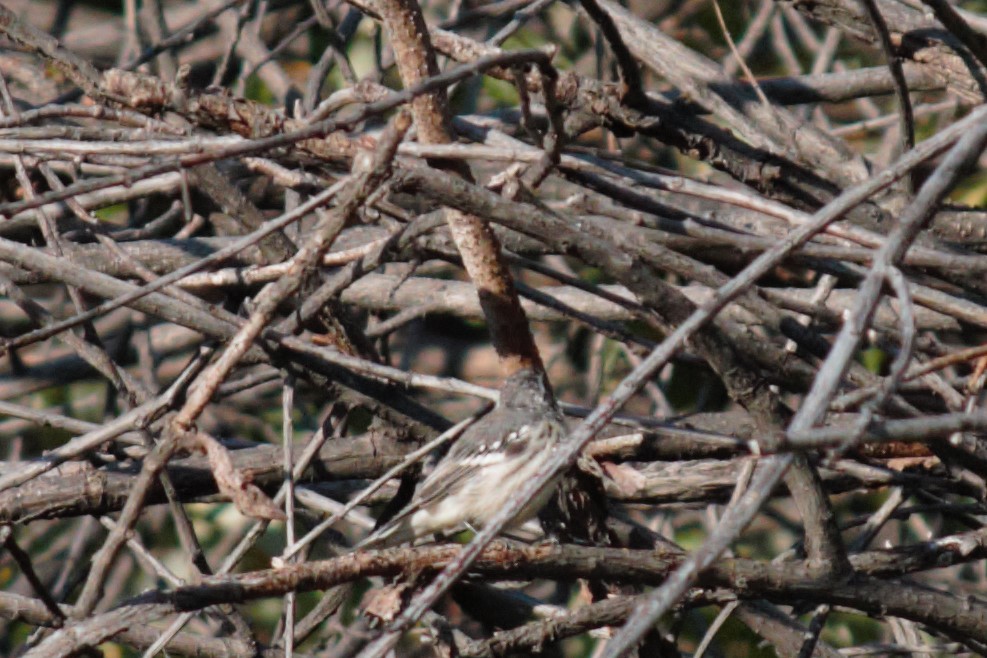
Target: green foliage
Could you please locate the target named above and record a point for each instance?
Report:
(115, 214)
(256, 90)
(874, 359)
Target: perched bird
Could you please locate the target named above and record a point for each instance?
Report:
(485, 467)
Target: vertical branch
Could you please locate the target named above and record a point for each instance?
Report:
(477, 244)
(906, 117)
(632, 89)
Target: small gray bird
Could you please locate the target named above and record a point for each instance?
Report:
(485, 467)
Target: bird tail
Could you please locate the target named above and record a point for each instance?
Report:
(395, 533)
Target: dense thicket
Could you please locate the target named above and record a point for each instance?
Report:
(255, 254)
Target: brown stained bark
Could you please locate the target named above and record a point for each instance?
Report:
(416, 61)
(477, 244)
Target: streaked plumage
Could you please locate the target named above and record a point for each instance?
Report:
(485, 467)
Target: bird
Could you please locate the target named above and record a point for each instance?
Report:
(485, 467)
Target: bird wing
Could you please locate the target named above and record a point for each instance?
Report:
(470, 452)
(482, 446)
(488, 446)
